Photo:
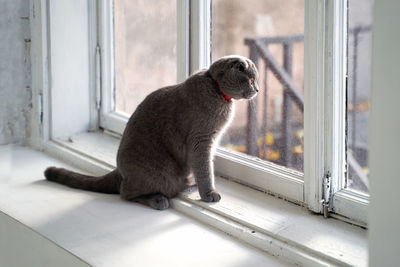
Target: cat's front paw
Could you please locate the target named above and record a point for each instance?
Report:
(212, 196)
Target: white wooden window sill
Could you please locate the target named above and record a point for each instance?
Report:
(47, 224)
(273, 225)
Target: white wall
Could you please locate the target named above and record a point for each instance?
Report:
(384, 212)
(15, 91)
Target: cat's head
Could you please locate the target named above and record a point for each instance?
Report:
(237, 76)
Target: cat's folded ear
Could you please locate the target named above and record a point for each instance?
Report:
(222, 65)
(241, 65)
(217, 69)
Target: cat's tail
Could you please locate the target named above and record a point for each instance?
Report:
(109, 183)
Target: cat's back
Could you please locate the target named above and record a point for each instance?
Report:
(153, 114)
(157, 103)
(169, 117)
(154, 129)
(172, 102)
(181, 106)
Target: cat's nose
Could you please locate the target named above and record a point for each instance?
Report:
(252, 94)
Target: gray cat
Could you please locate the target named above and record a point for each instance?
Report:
(172, 134)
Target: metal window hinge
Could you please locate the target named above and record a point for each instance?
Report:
(326, 184)
(98, 78)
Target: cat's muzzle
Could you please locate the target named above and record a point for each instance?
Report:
(251, 94)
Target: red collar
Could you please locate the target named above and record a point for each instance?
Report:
(227, 98)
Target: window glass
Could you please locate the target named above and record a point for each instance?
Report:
(358, 92)
(145, 49)
(271, 126)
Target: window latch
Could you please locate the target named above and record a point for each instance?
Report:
(326, 193)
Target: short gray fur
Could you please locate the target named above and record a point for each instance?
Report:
(171, 135)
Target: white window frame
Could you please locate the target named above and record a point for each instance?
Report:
(324, 111)
(325, 68)
(116, 121)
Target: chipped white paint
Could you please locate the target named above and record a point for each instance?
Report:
(15, 93)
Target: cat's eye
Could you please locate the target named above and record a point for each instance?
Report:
(251, 80)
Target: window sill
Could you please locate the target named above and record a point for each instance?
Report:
(273, 225)
(47, 224)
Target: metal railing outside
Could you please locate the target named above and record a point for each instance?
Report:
(259, 50)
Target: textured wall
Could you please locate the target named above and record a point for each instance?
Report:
(15, 91)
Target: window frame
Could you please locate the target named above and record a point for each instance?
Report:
(109, 118)
(326, 24)
(324, 112)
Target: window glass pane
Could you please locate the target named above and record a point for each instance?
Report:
(145, 49)
(271, 127)
(358, 92)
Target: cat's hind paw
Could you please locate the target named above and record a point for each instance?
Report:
(159, 202)
(156, 201)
